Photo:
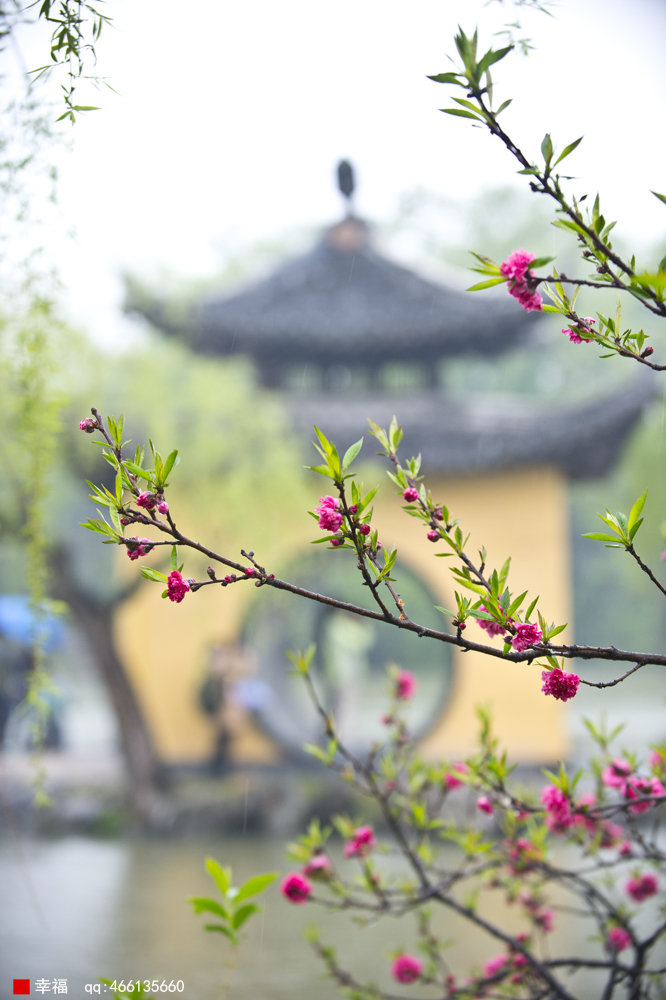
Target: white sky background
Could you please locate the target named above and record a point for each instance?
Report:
(232, 115)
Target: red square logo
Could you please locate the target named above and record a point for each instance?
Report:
(22, 987)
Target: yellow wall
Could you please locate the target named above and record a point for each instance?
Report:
(520, 513)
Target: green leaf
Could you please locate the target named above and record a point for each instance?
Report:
(493, 56)
(568, 149)
(598, 536)
(222, 876)
(255, 885)
(445, 78)
(172, 459)
(635, 511)
(202, 904)
(221, 930)
(153, 574)
(661, 197)
(460, 113)
(547, 148)
(541, 261)
(243, 914)
(486, 284)
(351, 454)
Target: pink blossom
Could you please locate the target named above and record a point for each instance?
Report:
(492, 628)
(364, 529)
(642, 888)
(88, 425)
(558, 809)
(405, 685)
(337, 540)
(296, 888)
(616, 773)
(577, 334)
(558, 684)
(146, 500)
(362, 841)
(516, 266)
(176, 587)
(319, 866)
(163, 507)
(451, 780)
(433, 535)
(484, 804)
(638, 787)
(526, 635)
(610, 834)
(330, 517)
(618, 939)
(495, 965)
(521, 281)
(410, 494)
(522, 854)
(406, 968)
(545, 919)
(138, 547)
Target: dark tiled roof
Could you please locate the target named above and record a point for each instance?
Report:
(342, 301)
(487, 433)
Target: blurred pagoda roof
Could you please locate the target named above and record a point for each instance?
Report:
(338, 326)
(482, 434)
(343, 302)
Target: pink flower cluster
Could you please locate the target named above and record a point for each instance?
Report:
(362, 841)
(513, 963)
(526, 635)
(405, 685)
(577, 334)
(492, 628)
(138, 547)
(451, 780)
(406, 968)
(558, 684)
(558, 809)
(410, 494)
(152, 501)
(618, 939)
(328, 513)
(176, 587)
(642, 887)
(618, 774)
(521, 280)
(296, 888)
(319, 866)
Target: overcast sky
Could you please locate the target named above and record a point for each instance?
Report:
(230, 118)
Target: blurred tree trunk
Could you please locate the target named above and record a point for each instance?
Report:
(95, 618)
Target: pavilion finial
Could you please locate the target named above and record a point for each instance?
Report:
(346, 182)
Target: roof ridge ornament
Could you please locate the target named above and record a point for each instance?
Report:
(346, 183)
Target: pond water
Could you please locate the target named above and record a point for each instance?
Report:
(75, 910)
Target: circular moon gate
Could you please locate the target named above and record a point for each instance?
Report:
(351, 662)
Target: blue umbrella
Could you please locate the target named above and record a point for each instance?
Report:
(20, 622)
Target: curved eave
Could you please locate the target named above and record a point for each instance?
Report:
(330, 305)
(468, 437)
